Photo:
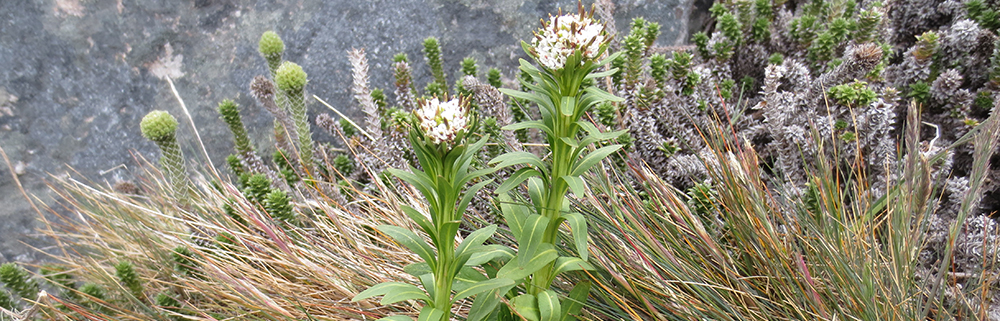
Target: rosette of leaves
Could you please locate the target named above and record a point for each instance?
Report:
(445, 157)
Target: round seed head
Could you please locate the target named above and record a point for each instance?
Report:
(290, 77)
(158, 126)
(270, 44)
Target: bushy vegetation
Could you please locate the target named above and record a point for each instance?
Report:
(820, 160)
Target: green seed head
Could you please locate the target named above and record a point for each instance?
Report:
(158, 126)
(271, 45)
(290, 77)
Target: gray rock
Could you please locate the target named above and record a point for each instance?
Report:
(77, 76)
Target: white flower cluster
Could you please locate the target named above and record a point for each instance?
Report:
(563, 35)
(441, 121)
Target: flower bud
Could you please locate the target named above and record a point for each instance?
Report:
(290, 77)
(441, 122)
(564, 35)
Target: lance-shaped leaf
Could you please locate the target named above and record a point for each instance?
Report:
(602, 74)
(549, 308)
(393, 292)
(411, 241)
(567, 105)
(486, 303)
(566, 264)
(515, 271)
(578, 224)
(482, 286)
(516, 179)
(517, 158)
(472, 243)
(526, 305)
(583, 165)
(574, 303)
(514, 214)
(576, 185)
(417, 269)
(536, 124)
(531, 237)
(467, 277)
(469, 194)
(537, 191)
(431, 314)
(420, 180)
(489, 253)
(421, 221)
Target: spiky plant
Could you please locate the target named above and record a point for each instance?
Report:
(271, 47)
(291, 80)
(161, 128)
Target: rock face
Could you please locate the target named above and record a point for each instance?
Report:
(77, 76)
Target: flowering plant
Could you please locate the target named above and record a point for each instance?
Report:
(567, 48)
(442, 122)
(438, 139)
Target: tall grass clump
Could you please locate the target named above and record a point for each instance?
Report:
(739, 247)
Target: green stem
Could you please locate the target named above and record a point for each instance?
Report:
(444, 275)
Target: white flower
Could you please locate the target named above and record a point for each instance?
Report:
(563, 35)
(441, 121)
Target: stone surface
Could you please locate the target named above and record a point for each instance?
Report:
(76, 76)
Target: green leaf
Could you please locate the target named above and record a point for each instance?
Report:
(482, 286)
(578, 224)
(431, 314)
(417, 269)
(566, 264)
(396, 318)
(469, 195)
(529, 96)
(602, 95)
(517, 158)
(592, 131)
(393, 292)
(576, 185)
(421, 221)
(537, 124)
(591, 159)
(532, 233)
(467, 277)
(472, 243)
(421, 181)
(548, 306)
(427, 280)
(527, 306)
(485, 303)
(542, 258)
(489, 253)
(537, 191)
(516, 178)
(513, 214)
(567, 105)
(602, 74)
(574, 303)
(411, 241)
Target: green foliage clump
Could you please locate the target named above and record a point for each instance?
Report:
(235, 165)
(432, 52)
(167, 302)
(634, 46)
(125, 272)
(776, 59)
(18, 280)
(59, 277)
(6, 300)
(493, 77)
(921, 92)
(233, 214)
(285, 167)
(469, 67)
(761, 29)
(400, 57)
(378, 96)
(271, 47)
(607, 114)
(726, 88)
(93, 290)
(927, 44)
(257, 188)
(731, 27)
(700, 40)
(658, 65)
(343, 164)
(854, 94)
(290, 78)
(159, 126)
(279, 206)
(347, 128)
(980, 12)
(184, 262)
(984, 100)
(230, 113)
(702, 199)
(994, 72)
